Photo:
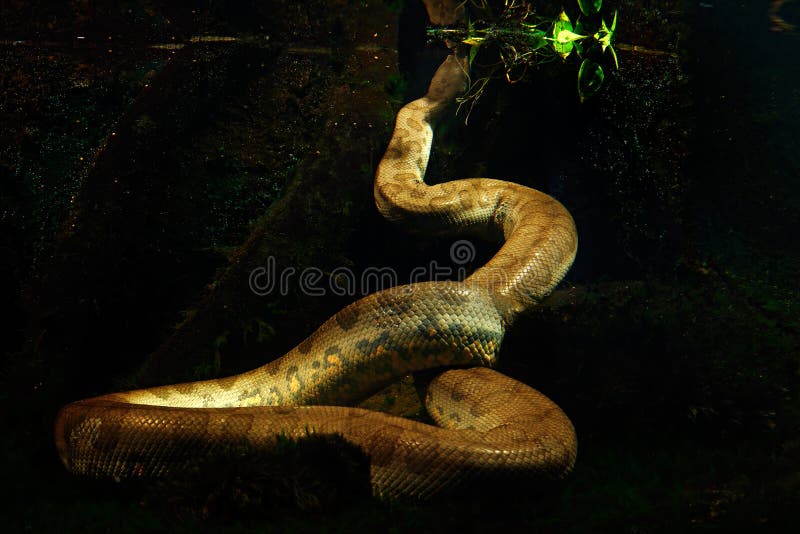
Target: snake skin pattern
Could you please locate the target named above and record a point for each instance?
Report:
(488, 424)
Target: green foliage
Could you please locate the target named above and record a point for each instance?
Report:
(563, 37)
(590, 78)
(522, 39)
(590, 7)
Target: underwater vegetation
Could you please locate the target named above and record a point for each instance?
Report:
(522, 39)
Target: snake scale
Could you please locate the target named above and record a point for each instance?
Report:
(487, 423)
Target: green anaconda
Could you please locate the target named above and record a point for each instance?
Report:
(487, 423)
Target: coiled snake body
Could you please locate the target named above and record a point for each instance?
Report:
(488, 423)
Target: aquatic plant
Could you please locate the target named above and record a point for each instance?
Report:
(522, 39)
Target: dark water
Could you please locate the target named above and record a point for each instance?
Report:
(143, 176)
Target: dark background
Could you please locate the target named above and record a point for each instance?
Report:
(143, 176)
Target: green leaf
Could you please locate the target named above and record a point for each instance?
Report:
(605, 36)
(473, 51)
(473, 39)
(536, 39)
(562, 28)
(590, 7)
(614, 55)
(590, 79)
